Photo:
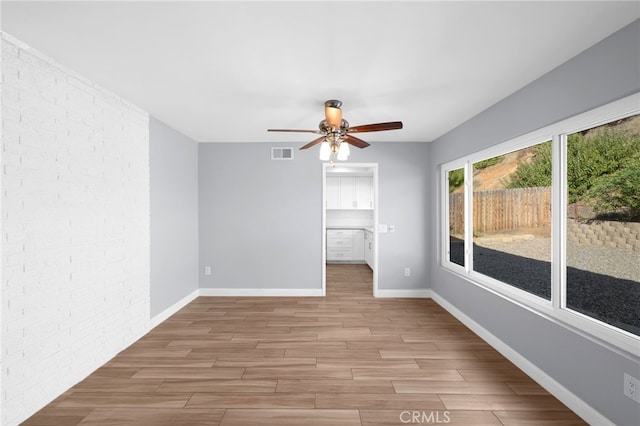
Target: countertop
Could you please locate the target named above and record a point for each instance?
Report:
(365, 228)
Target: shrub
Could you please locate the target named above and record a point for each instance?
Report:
(590, 158)
(618, 192)
(456, 179)
(535, 173)
(603, 170)
(487, 163)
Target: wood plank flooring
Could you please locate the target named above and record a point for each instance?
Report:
(346, 359)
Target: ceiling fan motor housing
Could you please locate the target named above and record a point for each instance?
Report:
(326, 128)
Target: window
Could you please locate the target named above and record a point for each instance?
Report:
(551, 220)
(512, 218)
(456, 216)
(603, 223)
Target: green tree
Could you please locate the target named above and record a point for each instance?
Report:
(535, 173)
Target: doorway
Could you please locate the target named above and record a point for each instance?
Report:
(357, 215)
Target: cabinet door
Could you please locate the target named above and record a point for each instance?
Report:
(345, 192)
(368, 248)
(364, 192)
(333, 192)
(358, 244)
(348, 193)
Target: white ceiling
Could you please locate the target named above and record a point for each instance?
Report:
(227, 71)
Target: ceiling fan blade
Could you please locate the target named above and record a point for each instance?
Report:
(313, 142)
(357, 142)
(295, 130)
(377, 127)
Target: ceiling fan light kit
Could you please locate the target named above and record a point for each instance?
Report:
(335, 139)
(325, 151)
(343, 151)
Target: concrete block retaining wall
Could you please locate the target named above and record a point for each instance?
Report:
(624, 235)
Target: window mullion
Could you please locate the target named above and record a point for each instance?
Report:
(562, 212)
(468, 216)
(558, 221)
(446, 251)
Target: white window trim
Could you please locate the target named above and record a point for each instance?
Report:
(445, 247)
(554, 310)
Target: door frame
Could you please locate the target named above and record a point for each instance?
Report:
(374, 168)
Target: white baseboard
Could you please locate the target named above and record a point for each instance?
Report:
(406, 294)
(156, 320)
(581, 408)
(261, 292)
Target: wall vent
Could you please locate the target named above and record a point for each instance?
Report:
(281, 153)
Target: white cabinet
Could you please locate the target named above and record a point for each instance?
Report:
(333, 192)
(345, 245)
(364, 192)
(358, 244)
(349, 192)
(368, 248)
(339, 244)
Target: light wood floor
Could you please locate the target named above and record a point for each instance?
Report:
(347, 359)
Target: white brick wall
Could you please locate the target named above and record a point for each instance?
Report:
(74, 228)
(1, 252)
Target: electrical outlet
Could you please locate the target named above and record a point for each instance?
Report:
(632, 387)
(207, 270)
(407, 272)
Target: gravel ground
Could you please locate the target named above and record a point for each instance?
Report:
(603, 283)
(611, 261)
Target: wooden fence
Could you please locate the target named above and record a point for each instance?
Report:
(502, 210)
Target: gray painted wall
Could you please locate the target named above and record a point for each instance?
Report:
(608, 71)
(174, 215)
(260, 220)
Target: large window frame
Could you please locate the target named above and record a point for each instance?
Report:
(555, 309)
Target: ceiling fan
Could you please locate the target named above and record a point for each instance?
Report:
(336, 133)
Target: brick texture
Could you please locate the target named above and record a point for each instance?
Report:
(75, 228)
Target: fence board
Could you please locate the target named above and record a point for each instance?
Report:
(502, 210)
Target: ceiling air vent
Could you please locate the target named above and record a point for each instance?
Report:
(281, 153)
